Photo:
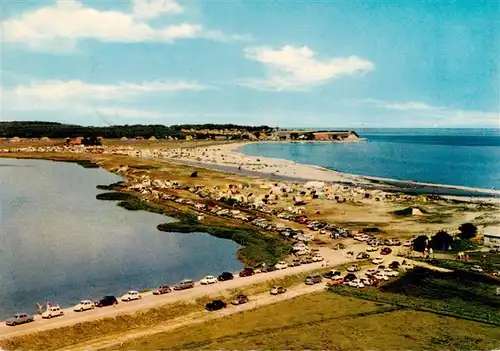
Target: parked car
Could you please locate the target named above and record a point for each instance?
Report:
(371, 271)
(381, 276)
(281, 265)
(407, 266)
(353, 268)
(276, 290)
(331, 274)
(335, 281)
(312, 279)
(240, 300)
(317, 258)
(162, 289)
(394, 265)
(362, 256)
(209, 279)
(372, 249)
(184, 284)
(476, 268)
(391, 273)
(19, 318)
(215, 305)
(246, 272)
(496, 274)
(356, 283)
(407, 243)
(366, 281)
(377, 260)
(386, 251)
(53, 311)
(225, 276)
(131, 295)
(107, 301)
(349, 277)
(84, 305)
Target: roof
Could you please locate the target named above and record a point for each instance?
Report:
(492, 235)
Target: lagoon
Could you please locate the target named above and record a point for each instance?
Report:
(59, 244)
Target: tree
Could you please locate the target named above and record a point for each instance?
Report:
(467, 231)
(420, 243)
(441, 240)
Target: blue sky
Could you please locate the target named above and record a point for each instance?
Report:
(282, 63)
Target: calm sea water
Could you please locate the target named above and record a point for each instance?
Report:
(58, 243)
(467, 157)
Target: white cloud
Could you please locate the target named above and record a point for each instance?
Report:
(297, 68)
(119, 112)
(147, 9)
(421, 114)
(60, 26)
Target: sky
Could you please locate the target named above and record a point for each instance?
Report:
(285, 63)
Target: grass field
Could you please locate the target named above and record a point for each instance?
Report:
(328, 321)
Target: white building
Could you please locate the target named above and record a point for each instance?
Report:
(491, 239)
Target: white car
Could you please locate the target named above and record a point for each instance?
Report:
(407, 266)
(377, 260)
(366, 281)
(84, 305)
(381, 276)
(53, 311)
(476, 268)
(391, 273)
(372, 249)
(131, 295)
(371, 271)
(496, 274)
(281, 265)
(356, 283)
(317, 258)
(209, 279)
(407, 243)
(353, 268)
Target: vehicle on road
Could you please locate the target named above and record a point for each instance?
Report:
(240, 300)
(386, 251)
(53, 311)
(215, 305)
(353, 268)
(362, 256)
(107, 301)
(377, 260)
(335, 281)
(247, 272)
(331, 274)
(281, 265)
(84, 305)
(312, 279)
(209, 279)
(162, 289)
(184, 284)
(276, 290)
(225, 276)
(19, 318)
(130, 296)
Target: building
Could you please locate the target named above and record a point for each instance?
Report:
(491, 240)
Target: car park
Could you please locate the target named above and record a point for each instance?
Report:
(84, 305)
(312, 279)
(240, 300)
(215, 305)
(377, 260)
(246, 272)
(130, 296)
(184, 284)
(19, 318)
(107, 301)
(162, 289)
(276, 290)
(53, 311)
(209, 279)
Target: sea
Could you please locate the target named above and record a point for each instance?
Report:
(58, 243)
(463, 157)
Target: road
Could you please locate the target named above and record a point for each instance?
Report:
(332, 257)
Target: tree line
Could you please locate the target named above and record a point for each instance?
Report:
(33, 129)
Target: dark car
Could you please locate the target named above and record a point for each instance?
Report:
(362, 255)
(331, 274)
(162, 289)
(247, 272)
(349, 277)
(107, 301)
(215, 305)
(225, 276)
(394, 265)
(385, 251)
